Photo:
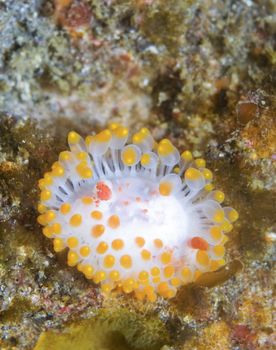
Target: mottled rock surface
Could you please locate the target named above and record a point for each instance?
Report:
(202, 73)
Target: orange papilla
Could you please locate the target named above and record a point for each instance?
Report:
(199, 243)
(103, 191)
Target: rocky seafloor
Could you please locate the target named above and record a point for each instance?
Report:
(201, 73)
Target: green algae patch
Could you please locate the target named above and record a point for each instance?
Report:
(73, 339)
(17, 310)
(164, 22)
(111, 330)
(216, 336)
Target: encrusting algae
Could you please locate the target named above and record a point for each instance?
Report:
(139, 217)
(116, 329)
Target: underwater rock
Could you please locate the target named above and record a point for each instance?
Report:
(186, 70)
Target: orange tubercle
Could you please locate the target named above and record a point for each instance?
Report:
(114, 221)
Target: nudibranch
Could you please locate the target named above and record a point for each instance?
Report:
(139, 217)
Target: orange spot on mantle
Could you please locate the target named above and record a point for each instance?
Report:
(103, 191)
(199, 243)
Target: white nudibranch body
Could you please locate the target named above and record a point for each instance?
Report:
(138, 217)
